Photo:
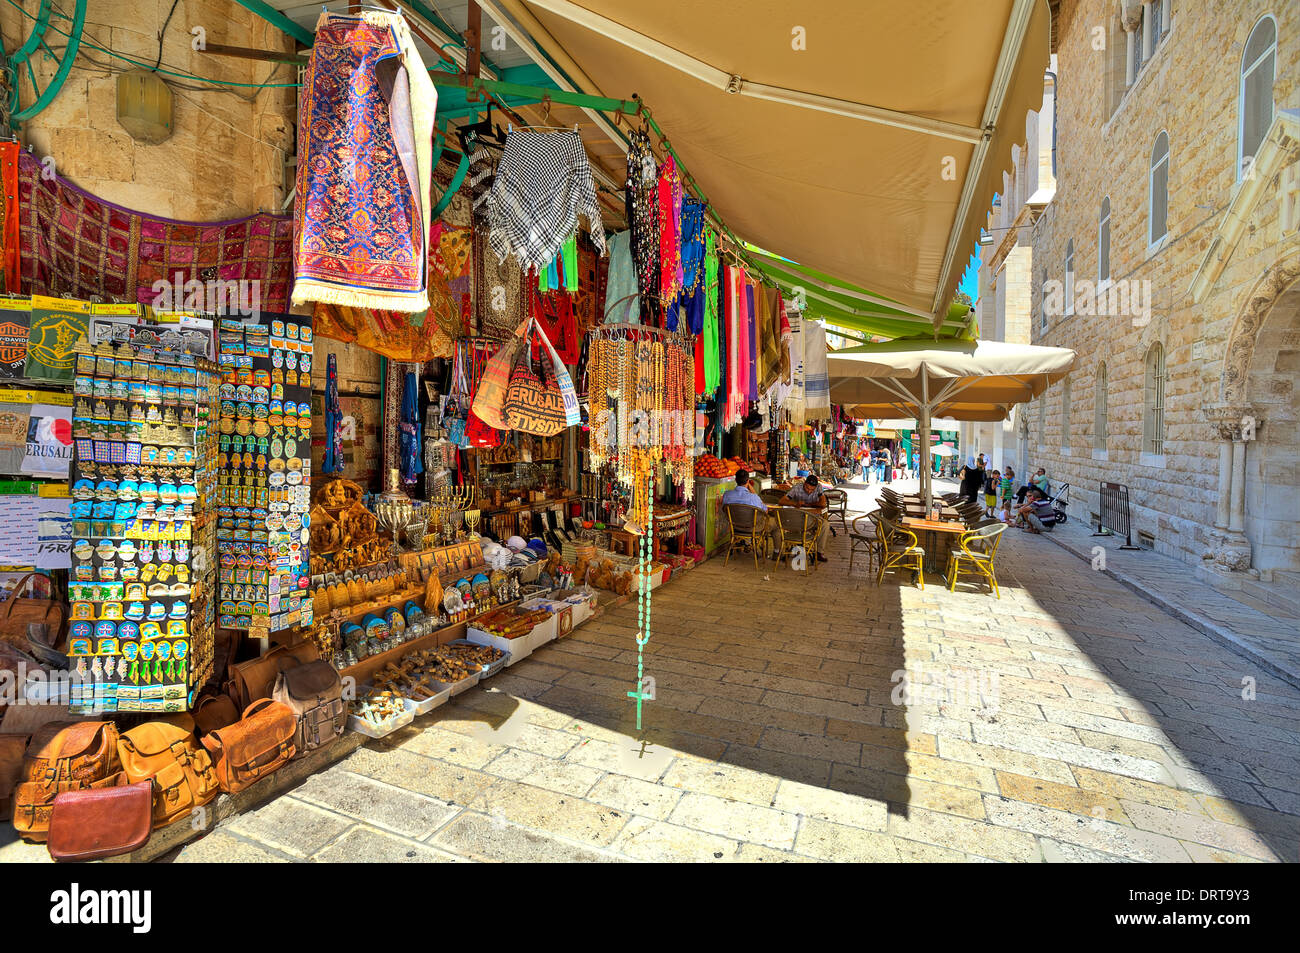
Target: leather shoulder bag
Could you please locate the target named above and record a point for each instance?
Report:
(63, 757)
(17, 612)
(314, 692)
(88, 825)
(170, 757)
(255, 679)
(253, 747)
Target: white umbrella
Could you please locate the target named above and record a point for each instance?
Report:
(925, 378)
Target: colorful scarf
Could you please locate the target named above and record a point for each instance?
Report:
(365, 144)
(737, 339)
(74, 245)
(670, 226)
(622, 298)
(9, 214)
(333, 419)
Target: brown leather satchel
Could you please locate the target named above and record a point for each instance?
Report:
(17, 612)
(255, 679)
(63, 757)
(313, 691)
(12, 748)
(88, 825)
(181, 771)
(254, 746)
(214, 711)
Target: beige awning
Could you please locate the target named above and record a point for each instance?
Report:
(965, 380)
(863, 138)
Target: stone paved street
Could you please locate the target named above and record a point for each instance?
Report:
(1118, 733)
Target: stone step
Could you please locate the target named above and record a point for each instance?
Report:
(1283, 591)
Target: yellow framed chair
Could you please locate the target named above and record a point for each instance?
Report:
(899, 550)
(748, 525)
(864, 537)
(977, 549)
(798, 528)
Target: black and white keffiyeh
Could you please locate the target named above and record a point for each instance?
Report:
(543, 183)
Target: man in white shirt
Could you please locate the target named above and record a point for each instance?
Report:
(809, 495)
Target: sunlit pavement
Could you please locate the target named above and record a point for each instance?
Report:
(1072, 720)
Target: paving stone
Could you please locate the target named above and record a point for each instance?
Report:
(290, 826)
(222, 847)
(634, 796)
(851, 810)
(1200, 830)
(736, 819)
(659, 841)
(384, 805)
(1104, 836)
(380, 847)
(723, 780)
(565, 815)
(758, 854)
(450, 783)
(484, 838)
(830, 841)
(1064, 797)
(550, 773)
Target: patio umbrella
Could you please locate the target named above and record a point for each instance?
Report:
(921, 377)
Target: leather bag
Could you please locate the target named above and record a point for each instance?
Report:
(12, 748)
(63, 757)
(253, 747)
(17, 612)
(255, 679)
(88, 825)
(313, 691)
(214, 711)
(180, 770)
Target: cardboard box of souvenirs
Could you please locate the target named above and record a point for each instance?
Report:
(521, 646)
(583, 602)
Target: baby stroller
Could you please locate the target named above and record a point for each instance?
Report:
(1060, 501)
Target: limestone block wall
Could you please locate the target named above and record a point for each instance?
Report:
(1188, 89)
(226, 155)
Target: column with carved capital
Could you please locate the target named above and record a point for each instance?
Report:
(1224, 436)
(1131, 20)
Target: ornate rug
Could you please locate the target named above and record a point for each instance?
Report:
(74, 245)
(365, 142)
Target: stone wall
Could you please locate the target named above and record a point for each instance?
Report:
(226, 155)
(1189, 89)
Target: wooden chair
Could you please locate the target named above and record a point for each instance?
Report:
(899, 550)
(748, 526)
(798, 529)
(864, 537)
(977, 549)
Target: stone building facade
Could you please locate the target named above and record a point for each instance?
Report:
(1168, 258)
(228, 151)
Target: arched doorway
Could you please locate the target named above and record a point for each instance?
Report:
(1272, 389)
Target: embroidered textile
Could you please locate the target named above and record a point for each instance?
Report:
(74, 245)
(498, 295)
(9, 214)
(643, 219)
(365, 143)
(670, 223)
(622, 298)
(543, 184)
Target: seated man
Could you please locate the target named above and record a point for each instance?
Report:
(742, 493)
(1038, 512)
(809, 495)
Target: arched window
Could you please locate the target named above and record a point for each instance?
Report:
(1069, 277)
(1153, 403)
(1158, 191)
(1255, 98)
(1100, 424)
(1103, 241)
(1065, 413)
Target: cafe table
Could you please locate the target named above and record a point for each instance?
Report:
(931, 528)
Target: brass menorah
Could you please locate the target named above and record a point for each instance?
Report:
(447, 505)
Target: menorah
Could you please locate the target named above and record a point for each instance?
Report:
(392, 516)
(448, 506)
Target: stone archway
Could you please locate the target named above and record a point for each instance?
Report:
(1270, 387)
(1245, 330)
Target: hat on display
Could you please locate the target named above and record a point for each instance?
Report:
(538, 546)
(516, 543)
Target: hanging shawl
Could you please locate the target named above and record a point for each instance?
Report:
(751, 355)
(622, 299)
(365, 144)
(333, 419)
(737, 335)
(409, 440)
(669, 191)
(817, 390)
(643, 218)
(693, 263)
(543, 184)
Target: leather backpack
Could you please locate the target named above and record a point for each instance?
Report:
(255, 679)
(181, 771)
(253, 747)
(12, 748)
(63, 757)
(313, 691)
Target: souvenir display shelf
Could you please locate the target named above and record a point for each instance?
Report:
(144, 476)
(265, 473)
